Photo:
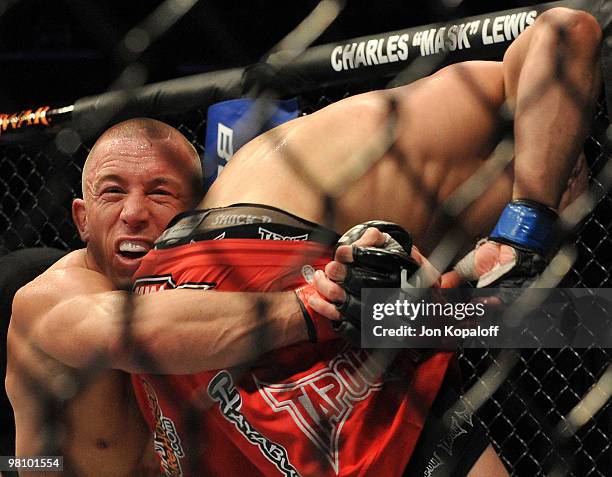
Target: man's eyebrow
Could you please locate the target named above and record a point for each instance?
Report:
(106, 177)
(163, 181)
(116, 178)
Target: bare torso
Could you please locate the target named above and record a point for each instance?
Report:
(90, 422)
(294, 166)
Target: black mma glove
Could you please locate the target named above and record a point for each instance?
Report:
(387, 266)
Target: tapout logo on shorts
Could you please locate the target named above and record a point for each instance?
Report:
(156, 283)
(221, 389)
(321, 402)
(146, 285)
(266, 234)
(166, 440)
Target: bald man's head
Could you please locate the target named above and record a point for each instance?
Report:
(143, 137)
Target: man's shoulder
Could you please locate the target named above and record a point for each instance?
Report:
(74, 259)
(67, 278)
(72, 269)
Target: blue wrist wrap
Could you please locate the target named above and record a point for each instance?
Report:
(527, 224)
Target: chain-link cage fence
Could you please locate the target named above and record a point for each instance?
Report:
(529, 409)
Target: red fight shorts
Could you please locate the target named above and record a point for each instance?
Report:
(311, 409)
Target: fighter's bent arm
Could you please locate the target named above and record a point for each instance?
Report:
(176, 331)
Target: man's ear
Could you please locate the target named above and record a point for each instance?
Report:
(79, 216)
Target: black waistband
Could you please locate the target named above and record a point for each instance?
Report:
(250, 221)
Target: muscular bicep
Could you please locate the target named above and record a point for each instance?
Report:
(61, 314)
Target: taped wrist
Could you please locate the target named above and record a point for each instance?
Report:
(399, 240)
(526, 225)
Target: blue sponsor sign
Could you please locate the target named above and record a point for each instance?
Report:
(231, 124)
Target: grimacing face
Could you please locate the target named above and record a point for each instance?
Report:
(133, 187)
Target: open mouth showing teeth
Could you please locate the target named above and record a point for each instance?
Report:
(132, 250)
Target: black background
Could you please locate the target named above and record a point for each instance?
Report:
(54, 52)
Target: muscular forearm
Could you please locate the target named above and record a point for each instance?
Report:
(216, 330)
(174, 332)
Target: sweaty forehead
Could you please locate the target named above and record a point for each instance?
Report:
(135, 155)
(141, 145)
(145, 147)
(134, 145)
